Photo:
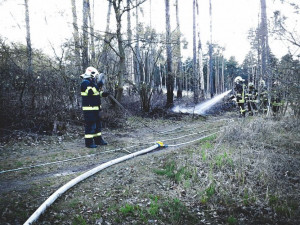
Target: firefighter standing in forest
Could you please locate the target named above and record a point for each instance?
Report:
(276, 99)
(263, 97)
(240, 88)
(251, 97)
(91, 105)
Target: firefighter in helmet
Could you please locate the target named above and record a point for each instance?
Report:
(263, 97)
(276, 98)
(251, 97)
(240, 89)
(91, 104)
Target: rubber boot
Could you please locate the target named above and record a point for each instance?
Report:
(99, 141)
(89, 143)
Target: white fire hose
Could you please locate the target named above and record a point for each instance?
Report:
(91, 172)
(82, 177)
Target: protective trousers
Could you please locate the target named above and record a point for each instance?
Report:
(92, 128)
(241, 105)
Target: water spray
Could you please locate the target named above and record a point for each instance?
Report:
(201, 108)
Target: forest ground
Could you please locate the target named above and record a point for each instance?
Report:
(247, 173)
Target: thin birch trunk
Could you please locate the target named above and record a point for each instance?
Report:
(195, 67)
(104, 56)
(92, 33)
(170, 78)
(29, 54)
(211, 81)
(179, 63)
(129, 51)
(139, 77)
(85, 38)
(200, 56)
(76, 37)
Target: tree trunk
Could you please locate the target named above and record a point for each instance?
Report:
(178, 51)
(208, 78)
(139, 72)
(92, 34)
(121, 53)
(129, 51)
(170, 78)
(85, 39)
(266, 73)
(29, 54)
(217, 77)
(223, 80)
(76, 37)
(200, 58)
(104, 62)
(211, 80)
(195, 68)
(28, 41)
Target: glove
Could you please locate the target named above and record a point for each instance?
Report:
(105, 94)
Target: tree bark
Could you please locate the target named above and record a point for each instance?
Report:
(92, 34)
(211, 80)
(104, 55)
(121, 53)
(129, 51)
(266, 73)
(200, 57)
(29, 54)
(139, 72)
(195, 67)
(179, 63)
(170, 78)
(85, 39)
(76, 37)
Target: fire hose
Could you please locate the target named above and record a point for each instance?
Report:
(95, 170)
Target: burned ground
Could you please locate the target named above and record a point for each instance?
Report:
(248, 173)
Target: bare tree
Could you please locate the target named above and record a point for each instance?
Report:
(129, 37)
(200, 58)
(138, 67)
(29, 54)
(170, 77)
(76, 36)
(179, 74)
(195, 67)
(104, 55)
(92, 33)
(28, 40)
(85, 38)
(266, 73)
(119, 11)
(211, 81)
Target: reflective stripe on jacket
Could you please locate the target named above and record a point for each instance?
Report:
(90, 95)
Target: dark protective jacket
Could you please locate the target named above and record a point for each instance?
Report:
(91, 102)
(251, 96)
(240, 92)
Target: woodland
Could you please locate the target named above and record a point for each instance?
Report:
(246, 173)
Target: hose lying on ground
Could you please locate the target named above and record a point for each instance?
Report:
(91, 172)
(82, 177)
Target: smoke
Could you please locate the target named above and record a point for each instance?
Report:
(201, 108)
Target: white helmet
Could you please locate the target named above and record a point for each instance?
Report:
(262, 83)
(251, 84)
(238, 79)
(90, 72)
